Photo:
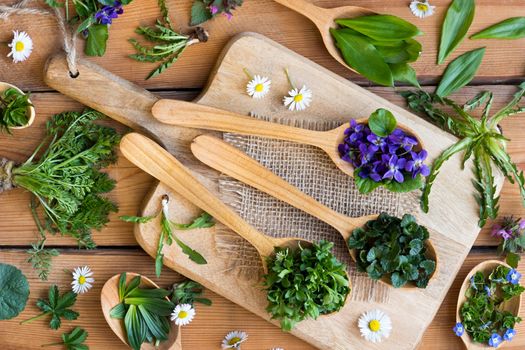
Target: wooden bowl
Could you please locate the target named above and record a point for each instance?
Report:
(109, 298)
(513, 305)
(30, 109)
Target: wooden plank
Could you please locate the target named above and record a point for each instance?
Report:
(503, 60)
(17, 227)
(210, 324)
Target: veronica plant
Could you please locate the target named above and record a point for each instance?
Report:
(511, 232)
(204, 10)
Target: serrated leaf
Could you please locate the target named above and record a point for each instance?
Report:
(458, 19)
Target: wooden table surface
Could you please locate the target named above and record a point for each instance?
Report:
(503, 67)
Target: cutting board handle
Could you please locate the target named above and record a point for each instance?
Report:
(159, 163)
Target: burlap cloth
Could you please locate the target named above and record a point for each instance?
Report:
(313, 172)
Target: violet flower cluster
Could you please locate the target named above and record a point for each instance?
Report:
(107, 14)
(383, 158)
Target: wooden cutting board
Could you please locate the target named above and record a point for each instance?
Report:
(453, 214)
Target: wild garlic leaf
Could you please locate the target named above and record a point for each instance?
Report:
(405, 51)
(404, 73)
(458, 19)
(511, 28)
(460, 72)
(362, 56)
(14, 291)
(381, 27)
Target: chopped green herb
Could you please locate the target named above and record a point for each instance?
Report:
(14, 107)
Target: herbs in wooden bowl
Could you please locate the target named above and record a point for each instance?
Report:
(305, 283)
(383, 154)
(488, 305)
(16, 110)
(379, 47)
(396, 251)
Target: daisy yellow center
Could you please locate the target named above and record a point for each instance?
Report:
(234, 340)
(19, 46)
(259, 87)
(82, 280)
(183, 314)
(422, 7)
(298, 98)
(374, 325)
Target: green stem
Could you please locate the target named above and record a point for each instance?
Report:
(248, 74)
(289, 79)
(34, 318)
(51, 344)
(37, 220)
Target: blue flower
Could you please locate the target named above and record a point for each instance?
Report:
(107, 14)
(487, 290)
(416, 165)
(472, 283)
(495, 340)
(395, 167)
(509, 334)
(513, 276)
(459, 329)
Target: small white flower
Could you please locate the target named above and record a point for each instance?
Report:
(298, 100)
(375, 325)
(82, 280)
(234, 339)
(422, 9)
(258, 87)
(183, 314)
(21, 46)
(277, 349)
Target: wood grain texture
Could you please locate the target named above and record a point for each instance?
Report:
(210, 324)
(503, 60)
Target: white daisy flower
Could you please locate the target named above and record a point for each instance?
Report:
(234, 339)
(258, 87)
(422, 9)
(375, 325)
(298, 100)
(21, 46)
(82, 280)
(183, 314)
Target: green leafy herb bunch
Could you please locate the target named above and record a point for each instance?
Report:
(394, 248)
(305, 283)
(14, 107)
(483, 314)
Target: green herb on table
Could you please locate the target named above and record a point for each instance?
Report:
(40, 258)
(511, 28)
(188, 292)
(167, 236)
(168, 44)
(480, 140)
(145, 312)
(95, 18)
(511, 232)
(14, 291)
(394, 248)
(304, 283)
(73, 340)
(14, 109)
(57, 306)
(379, 47)
(204, 10)
(483, 314)
(458, 19)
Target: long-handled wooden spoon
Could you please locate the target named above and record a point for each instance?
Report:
(153, 159)
(109, 298)
(324, 19)
(192, 115)
(229, 160)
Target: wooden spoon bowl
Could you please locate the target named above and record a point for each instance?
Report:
(513, 305)
(324, 19)
(109, 298)
(30, 109)
(229, 160)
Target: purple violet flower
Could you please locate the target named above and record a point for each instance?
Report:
(214, 9)
(107, 14)
(395, 166)
(417, 165)
(367, 153)
(408, 143)
(522, 224)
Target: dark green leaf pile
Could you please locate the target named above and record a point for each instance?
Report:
(57, 306)
(64, 176)
(380, 47)
(145, 312)
(480, 140)
(13, 109)
(188, 292)
(482, 313)
(393, 248)
(14, 291)
(304, 283)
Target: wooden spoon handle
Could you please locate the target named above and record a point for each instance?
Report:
(159, 163)
(192, 115)
(304, 7)
(229, 160)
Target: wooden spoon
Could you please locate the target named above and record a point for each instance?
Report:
(30, 109)
(192, 115)
(109, 298)
(513, 305)
(324, 19)
(229, 160)
(159, 163)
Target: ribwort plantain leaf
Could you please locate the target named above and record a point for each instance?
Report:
(460, 72)
(455, 26)
(511, 28)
